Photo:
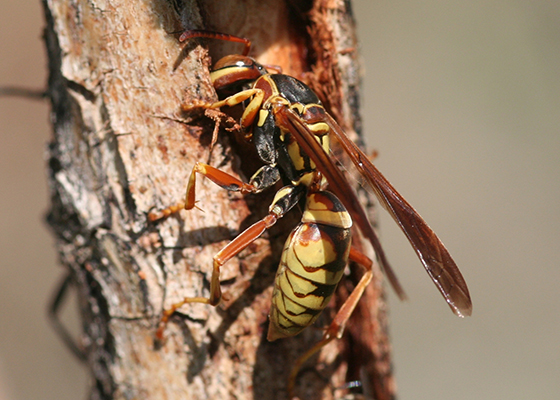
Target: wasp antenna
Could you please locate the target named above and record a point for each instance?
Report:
(200, 33)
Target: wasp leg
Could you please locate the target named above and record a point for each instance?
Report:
(57, 325)
(195, 33)
(265, 177)
(284, 201)
(251, 109)
(336, 328)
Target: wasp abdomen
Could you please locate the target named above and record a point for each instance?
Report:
(313, 261)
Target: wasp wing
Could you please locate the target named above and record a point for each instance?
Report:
(429, 248)
(338, 184)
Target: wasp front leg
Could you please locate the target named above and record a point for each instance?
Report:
(336, 328)
(251, 111)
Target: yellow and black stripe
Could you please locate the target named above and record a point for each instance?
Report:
(313, 261)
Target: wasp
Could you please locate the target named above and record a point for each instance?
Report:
(292, 134)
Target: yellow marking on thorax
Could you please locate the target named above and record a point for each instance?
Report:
(263, 115)
(306, 179)
(294, 151)
(319, 128)
(300, 108)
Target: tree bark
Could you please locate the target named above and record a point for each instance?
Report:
(122, 147)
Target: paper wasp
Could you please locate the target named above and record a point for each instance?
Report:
(291, 131)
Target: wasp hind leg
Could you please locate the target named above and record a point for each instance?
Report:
(285, 200)
(336, 328)
(228, 252)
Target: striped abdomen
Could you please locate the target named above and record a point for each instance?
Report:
(313, 261)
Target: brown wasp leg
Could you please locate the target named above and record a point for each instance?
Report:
(250, 112)
(336, 328)
(262, 179)
(231, 250)
(285, 199)
(228, 101)
(220, 119)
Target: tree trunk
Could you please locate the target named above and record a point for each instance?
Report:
(122, 147)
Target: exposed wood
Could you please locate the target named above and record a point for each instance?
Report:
(121, 146)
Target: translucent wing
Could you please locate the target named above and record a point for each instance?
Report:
(429, 248)
(338, 184)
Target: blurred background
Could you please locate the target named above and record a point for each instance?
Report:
(462, 101)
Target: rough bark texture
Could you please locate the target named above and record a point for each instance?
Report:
(121, 147)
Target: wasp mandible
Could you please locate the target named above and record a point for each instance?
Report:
(292, 133)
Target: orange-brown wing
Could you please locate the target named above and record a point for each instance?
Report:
(338, 184)
(429, 248)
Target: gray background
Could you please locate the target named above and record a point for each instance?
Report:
(462, 101)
